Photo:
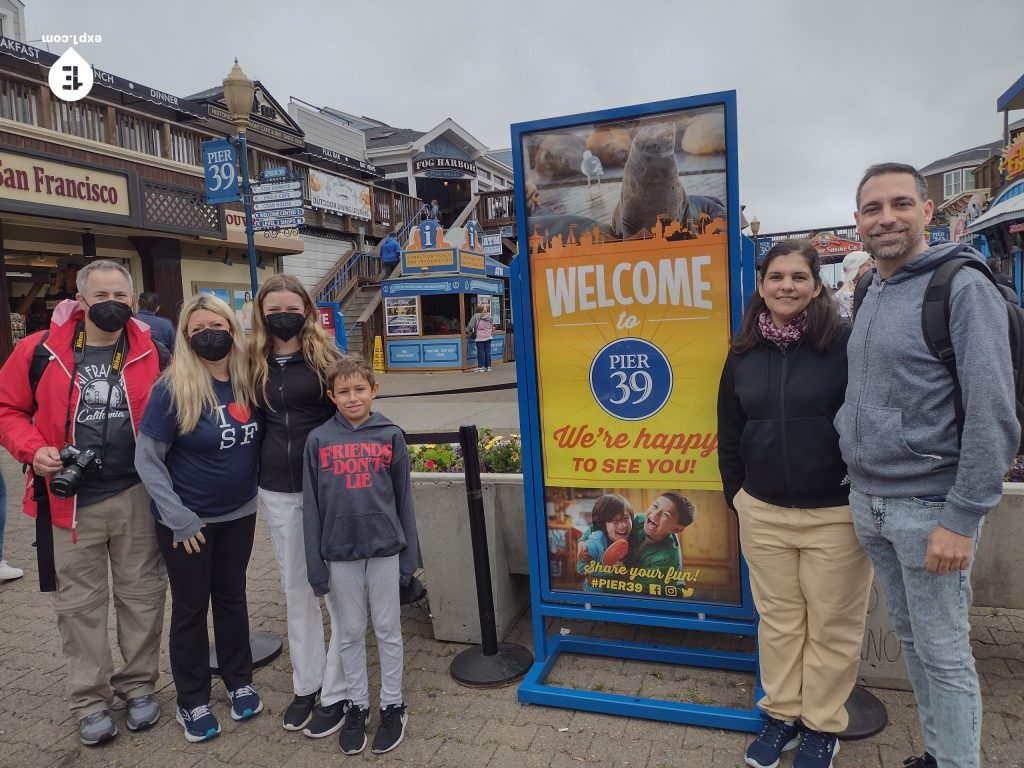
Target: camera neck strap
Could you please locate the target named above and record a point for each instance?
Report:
(116, 365)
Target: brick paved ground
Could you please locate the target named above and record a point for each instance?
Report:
(449, 725)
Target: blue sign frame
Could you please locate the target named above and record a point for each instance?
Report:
(550, 604)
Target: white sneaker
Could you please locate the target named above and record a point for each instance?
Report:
(489, 368)
(9, 572)
(478, 370)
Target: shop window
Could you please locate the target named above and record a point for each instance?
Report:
(440, 315)
(955, 182)
(78, 119)
(18, 102)
(138, 134)
(185, 147)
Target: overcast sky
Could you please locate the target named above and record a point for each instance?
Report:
(824, 88)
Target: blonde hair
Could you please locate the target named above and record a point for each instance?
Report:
(318, 349)
(188, 379)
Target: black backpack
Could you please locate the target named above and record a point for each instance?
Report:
(935, 326)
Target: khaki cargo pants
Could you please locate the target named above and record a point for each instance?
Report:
(119, 531)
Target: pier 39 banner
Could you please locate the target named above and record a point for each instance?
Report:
(628, 247)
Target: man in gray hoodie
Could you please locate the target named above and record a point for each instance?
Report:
(918, 493)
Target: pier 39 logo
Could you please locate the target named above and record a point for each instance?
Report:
(631, 379)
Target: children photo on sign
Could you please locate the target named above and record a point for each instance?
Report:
(680, 546)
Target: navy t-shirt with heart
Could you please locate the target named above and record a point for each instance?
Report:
(215, 467)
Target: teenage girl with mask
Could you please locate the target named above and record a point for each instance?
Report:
(198, 455)
(290, 357)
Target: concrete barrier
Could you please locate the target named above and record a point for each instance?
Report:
(998, 577)
(442, 521)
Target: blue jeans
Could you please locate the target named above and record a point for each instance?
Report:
(929, 614)
(483, 354)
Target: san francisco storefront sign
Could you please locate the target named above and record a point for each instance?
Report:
(30, 179)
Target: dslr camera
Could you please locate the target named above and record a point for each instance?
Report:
(66, 483)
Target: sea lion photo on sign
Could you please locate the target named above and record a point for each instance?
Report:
(704, 135)
(650, 181)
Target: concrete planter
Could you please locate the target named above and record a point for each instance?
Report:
(998, 576)
(442, 520)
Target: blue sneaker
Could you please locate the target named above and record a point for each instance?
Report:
(245, 702)
(816, 750)
(776, 737)
(198, 722)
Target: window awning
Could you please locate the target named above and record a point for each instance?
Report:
(495, 268)
(1006, 210)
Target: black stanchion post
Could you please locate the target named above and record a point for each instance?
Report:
(491, 664)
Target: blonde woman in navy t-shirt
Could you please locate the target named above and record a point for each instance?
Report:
(198, 456)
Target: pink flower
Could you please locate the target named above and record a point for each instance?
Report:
(430, 464)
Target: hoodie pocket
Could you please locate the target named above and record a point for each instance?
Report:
(872, 440)
(815, 463)
(761, 451)
(357, 537)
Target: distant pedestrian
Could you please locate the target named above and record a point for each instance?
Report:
(855, 266)
(390, 253)
(7, 572)
(160, 328)
(481, 330)
(435, 211)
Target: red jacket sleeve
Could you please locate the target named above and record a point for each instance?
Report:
(17, 432)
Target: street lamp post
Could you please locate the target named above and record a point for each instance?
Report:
(755, 227)
(238, 96)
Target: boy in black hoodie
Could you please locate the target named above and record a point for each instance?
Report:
(360, 537)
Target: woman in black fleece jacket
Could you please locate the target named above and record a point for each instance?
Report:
(782, 472)
(290, 357)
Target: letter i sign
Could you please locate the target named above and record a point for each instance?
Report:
(70, 77)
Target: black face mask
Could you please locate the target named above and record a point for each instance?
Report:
(284, 325)
(110, 316)
(212, 344)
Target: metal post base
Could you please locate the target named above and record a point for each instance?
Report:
(265, 646)
(475, 670)
(867, 715)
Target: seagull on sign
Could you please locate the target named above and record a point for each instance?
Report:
(592, 167)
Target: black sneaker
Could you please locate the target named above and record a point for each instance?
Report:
(353, 736)
(391, 729)
(300, 711)
(924, 761)
(327, 719)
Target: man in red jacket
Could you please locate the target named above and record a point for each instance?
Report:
(91, 395)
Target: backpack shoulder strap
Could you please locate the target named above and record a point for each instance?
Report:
(935, 323)
(860, 291)
(163, 355)
(40, 359)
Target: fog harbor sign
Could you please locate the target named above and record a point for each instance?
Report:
(444, 167)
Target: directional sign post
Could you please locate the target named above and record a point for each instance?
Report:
(277, 201)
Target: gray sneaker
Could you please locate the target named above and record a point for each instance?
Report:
(143, 711)
(96, 728)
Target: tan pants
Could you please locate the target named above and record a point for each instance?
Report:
(810, 579)
(119, 530)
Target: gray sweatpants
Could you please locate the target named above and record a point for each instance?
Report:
(351, 583)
